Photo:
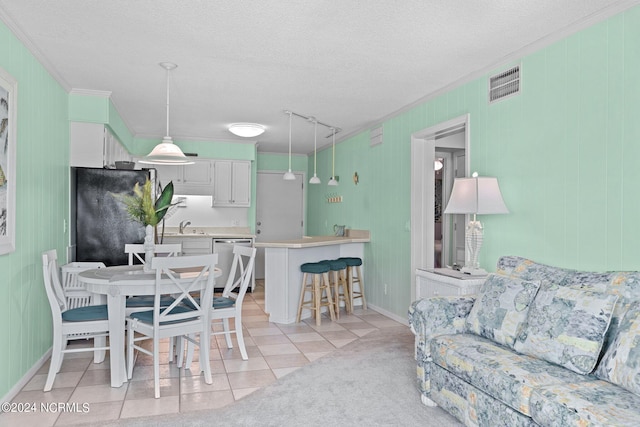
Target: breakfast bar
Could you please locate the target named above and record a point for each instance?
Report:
(283, 259)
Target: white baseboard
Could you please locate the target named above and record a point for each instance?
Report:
(26, 377)
(403, 320)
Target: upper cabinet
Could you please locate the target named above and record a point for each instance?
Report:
(94, 146)
(232, 183)
(195, 179)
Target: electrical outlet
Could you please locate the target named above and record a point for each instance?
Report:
(64, 225)
(385, 289)
(235, 223)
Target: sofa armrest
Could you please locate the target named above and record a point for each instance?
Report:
(429, 318)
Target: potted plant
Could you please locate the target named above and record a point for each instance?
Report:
(141, 208)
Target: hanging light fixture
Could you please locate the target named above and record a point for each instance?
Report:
(167, 153)
(437, 164)
(333, 180)
(289, 176)
(314, 179)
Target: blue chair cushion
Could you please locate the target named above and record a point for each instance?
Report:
(351, 261)
(86, 313)
(147, 301)
(314, 268)
(335, 264)
(147, 316)
(223, 302)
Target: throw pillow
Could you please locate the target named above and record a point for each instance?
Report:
(621, 362)
(567, 327)
(501, 308)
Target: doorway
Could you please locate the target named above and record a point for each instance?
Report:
(279, 211)
(424, 144)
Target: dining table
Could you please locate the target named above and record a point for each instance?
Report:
(112, 285)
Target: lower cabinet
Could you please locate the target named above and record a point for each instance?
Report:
(193, 245)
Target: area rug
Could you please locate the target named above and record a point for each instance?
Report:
(370, 382)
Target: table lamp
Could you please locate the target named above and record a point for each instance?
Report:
(475, 195)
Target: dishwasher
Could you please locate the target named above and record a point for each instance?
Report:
(224, 249)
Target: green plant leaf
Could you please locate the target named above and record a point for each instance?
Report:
(164, 201)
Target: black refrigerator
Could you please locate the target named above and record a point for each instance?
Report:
(100, 225)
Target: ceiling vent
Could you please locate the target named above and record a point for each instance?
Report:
(505, 84)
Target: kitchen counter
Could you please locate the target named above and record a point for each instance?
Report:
(312, 241)
(283, 258)
(213, 232)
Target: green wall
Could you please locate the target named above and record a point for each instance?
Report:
(42, 192)
(565, 152)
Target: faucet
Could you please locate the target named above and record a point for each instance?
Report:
(182, 226)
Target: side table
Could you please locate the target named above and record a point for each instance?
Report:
(445, 281)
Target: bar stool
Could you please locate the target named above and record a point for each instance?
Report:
(354, 275)
(337, 279)
(319, 275)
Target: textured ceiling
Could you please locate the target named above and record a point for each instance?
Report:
(349, 63)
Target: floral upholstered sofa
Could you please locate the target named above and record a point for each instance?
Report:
(538, 345)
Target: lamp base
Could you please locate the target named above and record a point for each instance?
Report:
(474, 271)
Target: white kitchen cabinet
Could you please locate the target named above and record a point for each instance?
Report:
(93, 145)
(192, 245)
(446, 282)
(195, 179)
(232, 183)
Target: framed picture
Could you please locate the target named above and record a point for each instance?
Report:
(8, 98)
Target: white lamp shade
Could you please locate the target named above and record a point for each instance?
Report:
(246, 130)
(477, 195)
(167, 153)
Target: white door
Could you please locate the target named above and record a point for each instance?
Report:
(279, 211)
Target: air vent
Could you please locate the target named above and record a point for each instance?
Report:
(375, 137)
(505, 84)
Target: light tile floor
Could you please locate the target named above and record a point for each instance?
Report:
(82, 394)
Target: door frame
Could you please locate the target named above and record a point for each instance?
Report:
(423, 148)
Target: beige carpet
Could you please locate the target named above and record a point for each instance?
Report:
(368, 383)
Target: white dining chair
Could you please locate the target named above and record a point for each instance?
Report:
(136, 251)
(229, 305)
(186, 316)
(136, 254)
(74, 291)
(86, 322)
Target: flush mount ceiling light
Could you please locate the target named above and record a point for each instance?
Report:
(167, 153)
(289, 176)
(315, 179)
(246, 130)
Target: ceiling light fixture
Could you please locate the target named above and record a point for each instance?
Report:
(246, 130)
(167, 153)
(333, 181)
(289, 176)
(315, 179)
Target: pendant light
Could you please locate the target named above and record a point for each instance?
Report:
(333, 181)
(315, 179)
(289, 176)
(167, 153)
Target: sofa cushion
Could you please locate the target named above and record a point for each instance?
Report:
(497, 370)
(501, 308)
(591, 403)
(567, 326)
(621, 362)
